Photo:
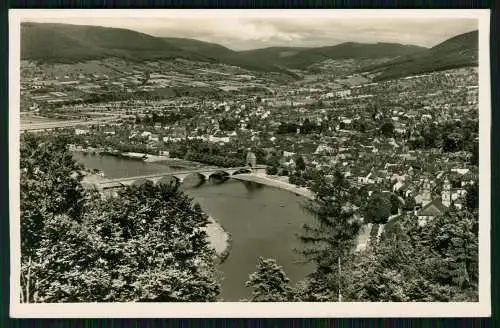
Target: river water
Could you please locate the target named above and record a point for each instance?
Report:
(262, 221)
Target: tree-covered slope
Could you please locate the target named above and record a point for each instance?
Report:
(208, 49)
(459, 51)
(72, 43)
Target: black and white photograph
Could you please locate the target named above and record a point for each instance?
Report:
(249, 163)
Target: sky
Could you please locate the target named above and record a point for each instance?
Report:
(248, 29)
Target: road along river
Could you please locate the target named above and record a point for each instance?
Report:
(262, 221)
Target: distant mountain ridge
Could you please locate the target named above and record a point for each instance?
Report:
(65, 43)
(272, 55)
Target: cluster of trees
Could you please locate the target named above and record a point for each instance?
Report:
(207, 153)
(436, 262)
(306, 127)
(147, 244)
(451, 136)
(227, 124)
(380, 206)
(304, 176)
(217, 160)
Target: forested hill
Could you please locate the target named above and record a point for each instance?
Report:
(74, 43)
(346, 50)
(458, 51)
(64, 43)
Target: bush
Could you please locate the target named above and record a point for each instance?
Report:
(378, 209)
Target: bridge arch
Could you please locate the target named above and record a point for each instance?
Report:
(220, 175)
(183, 176)
(242, 170)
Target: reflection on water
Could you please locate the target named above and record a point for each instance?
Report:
(262, 221)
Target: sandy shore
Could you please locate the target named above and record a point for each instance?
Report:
(217, 237)
(277, 182)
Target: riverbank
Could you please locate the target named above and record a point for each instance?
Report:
(276, 182)
(219, 239)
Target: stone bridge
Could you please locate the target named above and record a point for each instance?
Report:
(111, 185)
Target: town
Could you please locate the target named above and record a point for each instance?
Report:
(336, 176)
(412, 136)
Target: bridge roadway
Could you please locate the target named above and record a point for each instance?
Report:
(178, 175)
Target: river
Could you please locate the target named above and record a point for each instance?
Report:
(262, 221)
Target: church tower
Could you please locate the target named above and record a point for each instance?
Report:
(446, 193)
(426, 193)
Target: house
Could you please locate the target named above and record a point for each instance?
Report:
(219, 139)
(79, 132)
(343, 93)
(145, 134)
(461, 171)
(397, 186)
(367, 179)
(322, 148)
(430, 211)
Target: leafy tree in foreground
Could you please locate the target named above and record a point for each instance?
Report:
(50, 186)
(145, 245)
(269, 283)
